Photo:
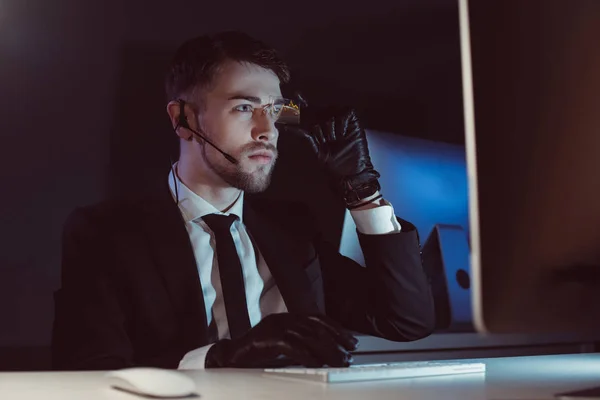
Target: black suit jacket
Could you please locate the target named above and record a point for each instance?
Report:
(131, 294)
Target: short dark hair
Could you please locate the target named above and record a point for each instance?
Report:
(197, 61)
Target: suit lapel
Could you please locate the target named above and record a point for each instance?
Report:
(281, 254)
(174, 255)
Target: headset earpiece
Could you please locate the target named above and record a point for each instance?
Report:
(182, 119)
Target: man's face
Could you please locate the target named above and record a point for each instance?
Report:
(233, 119)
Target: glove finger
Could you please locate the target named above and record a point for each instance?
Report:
(305, 136)
(300, 99)
(323, 345)
(314, 145)
(349, 123)
(332, 129)
(294, 346)
(318, 134)
(342, 124)
(342, 335)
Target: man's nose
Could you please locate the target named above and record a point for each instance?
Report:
(264, 128)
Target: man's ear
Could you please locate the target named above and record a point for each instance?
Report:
(174, 109)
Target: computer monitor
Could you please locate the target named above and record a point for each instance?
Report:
(531, 86)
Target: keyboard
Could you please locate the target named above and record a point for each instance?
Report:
(369, 372)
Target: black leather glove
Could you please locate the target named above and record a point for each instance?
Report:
(340, 143)
(286, 339)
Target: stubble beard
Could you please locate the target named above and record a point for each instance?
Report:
(255, 182)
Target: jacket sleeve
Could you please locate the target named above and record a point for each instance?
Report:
(390, 297)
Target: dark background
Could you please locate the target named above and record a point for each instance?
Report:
(83, 111)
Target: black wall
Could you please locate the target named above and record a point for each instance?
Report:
(83, 114)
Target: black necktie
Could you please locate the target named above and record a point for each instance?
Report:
(230, 271)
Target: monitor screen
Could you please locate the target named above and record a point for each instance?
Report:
(531, 89)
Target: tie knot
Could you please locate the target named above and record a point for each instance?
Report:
(219, 222)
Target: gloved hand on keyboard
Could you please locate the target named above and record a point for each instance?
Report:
(286, 339)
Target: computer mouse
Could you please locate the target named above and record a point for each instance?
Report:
(153, 382)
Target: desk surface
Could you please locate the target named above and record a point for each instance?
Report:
(511, 378)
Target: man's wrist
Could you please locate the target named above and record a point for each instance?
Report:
(372, 201)
(355, 194)
(376, 218)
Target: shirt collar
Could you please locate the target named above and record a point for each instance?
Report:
(193, 207)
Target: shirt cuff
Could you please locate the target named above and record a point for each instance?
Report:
(380, 220)
(195, 359)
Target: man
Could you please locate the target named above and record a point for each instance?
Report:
(198, 274)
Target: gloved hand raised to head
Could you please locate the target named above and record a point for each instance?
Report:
(340, 144)
(286, 339)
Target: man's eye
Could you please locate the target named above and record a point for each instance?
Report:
(244, 108)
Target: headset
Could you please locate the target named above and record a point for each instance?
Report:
(182, 122)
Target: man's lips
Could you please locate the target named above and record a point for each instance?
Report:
(262, 157)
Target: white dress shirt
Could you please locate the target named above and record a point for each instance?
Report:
(262, 294)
